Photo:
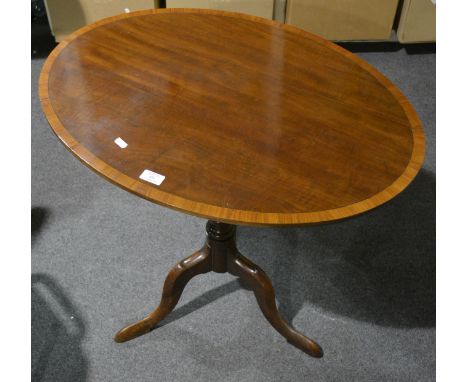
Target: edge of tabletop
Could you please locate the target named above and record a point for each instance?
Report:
(223, 214)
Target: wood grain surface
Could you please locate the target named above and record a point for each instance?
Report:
(250, 121)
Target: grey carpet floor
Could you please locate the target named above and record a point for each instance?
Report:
(363, 288)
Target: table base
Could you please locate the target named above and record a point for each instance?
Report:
(220, 255)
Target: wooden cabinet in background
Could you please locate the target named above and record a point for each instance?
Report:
(417, 21)
(66, 16)
(344, 19)
(262, 8)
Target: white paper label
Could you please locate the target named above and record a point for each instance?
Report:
(121, 143)
(152, 177)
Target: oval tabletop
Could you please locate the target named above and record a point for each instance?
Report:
(248, 120)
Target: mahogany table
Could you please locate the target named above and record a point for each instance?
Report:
(233, 118)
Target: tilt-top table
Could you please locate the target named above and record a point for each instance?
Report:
(233, 118)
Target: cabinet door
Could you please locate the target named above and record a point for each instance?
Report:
(262, 8)
(417, 21)
(66, 16)
(344, 19)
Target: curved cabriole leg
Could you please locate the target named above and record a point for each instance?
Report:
(260, 283)
(176, 280)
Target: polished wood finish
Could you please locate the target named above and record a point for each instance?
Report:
(177, 279)
(258, 280)
(220, 255)
(251, 121)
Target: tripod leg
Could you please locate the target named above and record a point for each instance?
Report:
(176, 280)
(258, 280)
